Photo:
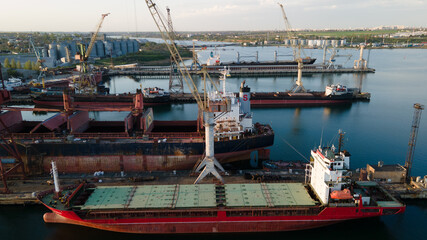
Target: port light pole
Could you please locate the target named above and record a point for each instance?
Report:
(413, 139)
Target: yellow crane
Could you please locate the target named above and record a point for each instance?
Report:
(84, 54)
(86, 82)
(209, 163)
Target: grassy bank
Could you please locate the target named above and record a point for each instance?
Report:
(150, 54)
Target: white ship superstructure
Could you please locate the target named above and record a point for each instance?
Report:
(328, 172)
(238, 119)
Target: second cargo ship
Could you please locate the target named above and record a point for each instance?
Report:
(139, 143)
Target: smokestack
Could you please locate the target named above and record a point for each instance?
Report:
(245, 98)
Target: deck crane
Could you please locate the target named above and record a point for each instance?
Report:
(209, 163)
(87, 83)
(413, 139)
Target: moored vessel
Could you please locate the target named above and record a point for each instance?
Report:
(138, 143)
(333, 95)
(151, 97)
(327, 197)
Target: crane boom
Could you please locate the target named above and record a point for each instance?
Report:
(92, 40)
(289, 31)
(167, 36)
(170, 25)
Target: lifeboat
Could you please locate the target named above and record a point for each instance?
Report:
(341, 195)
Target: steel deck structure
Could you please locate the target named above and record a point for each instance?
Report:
(198, 196)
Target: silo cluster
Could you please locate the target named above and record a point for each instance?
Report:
(65, 51)
(316, 43)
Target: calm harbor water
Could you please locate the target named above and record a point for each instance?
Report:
(375, 130)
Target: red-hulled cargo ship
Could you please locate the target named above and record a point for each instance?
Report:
(328, 197)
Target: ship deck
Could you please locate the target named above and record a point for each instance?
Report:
(198, 196)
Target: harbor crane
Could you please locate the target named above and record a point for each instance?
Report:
(209, 164)
(330, 63)
(170, 25)
(87, 83)
(298, 87)
(43, 68)
(361, 63)
(413, 139)
(175, 81)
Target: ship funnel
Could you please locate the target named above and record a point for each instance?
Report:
(245, 98)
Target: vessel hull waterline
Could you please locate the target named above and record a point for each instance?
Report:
(219, 224)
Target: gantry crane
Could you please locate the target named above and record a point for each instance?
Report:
(330, 63)
(170, 25)
(209, 163)
(361, 63)
(413, 139)
(175, 81)
(86, 82)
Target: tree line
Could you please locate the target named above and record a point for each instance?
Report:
(28, 65)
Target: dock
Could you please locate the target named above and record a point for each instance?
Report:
(239, 70)
(413, 191)
(175, 98)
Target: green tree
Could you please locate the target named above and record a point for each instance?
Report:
(13, 73)
(27, 65)
(18, 64)
(33, 66)
(6, 63)
(13, 63)
(36, 66)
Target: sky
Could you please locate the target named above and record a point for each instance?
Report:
(209, 15)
